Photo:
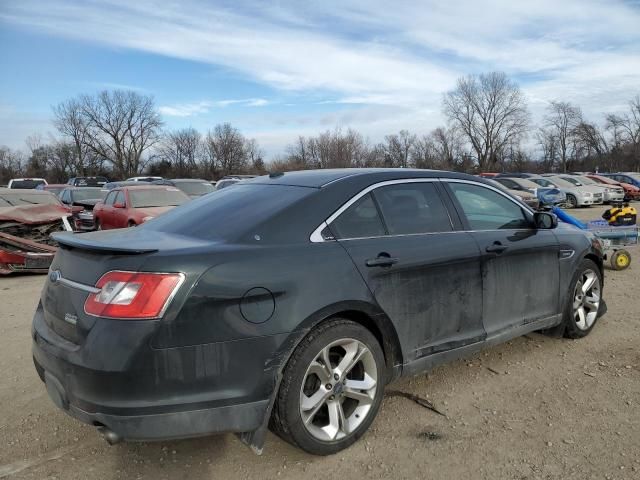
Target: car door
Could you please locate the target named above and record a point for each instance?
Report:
(423, 273)
(520, 264)
(106, 211)
(119, 214)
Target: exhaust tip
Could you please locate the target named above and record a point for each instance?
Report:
(110, 436)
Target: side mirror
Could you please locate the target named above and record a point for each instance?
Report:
(118, 205)
(545, 220)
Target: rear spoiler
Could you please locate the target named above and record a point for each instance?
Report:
(70, 240)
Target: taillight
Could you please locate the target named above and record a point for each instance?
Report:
(133, 295)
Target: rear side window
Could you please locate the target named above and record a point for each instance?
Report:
(109, 199)
(411, 208)
(486, 209)
(360, 220)
(119, 198)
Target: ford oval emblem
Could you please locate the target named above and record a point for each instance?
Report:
(55, 276)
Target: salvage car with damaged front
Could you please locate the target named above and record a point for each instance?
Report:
(289, 301)
(27, 218)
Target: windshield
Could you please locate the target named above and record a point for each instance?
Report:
(90, 181)
(543, 182)
(572, 180)
(16, 199)
(563, 183)
(195, 188)
(27, 183)
(169, 197)
(587, 181)
(86, 194)
(229, 212)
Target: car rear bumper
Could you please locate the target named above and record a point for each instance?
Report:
(245, 417)
(146, 393)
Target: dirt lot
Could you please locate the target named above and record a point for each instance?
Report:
(535, 408)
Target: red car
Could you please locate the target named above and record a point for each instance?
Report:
(631, 192)
(130, 206)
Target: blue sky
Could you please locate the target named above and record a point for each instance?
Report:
(280, 69)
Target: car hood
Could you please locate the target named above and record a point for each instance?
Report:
(152, 211)
(33, 214)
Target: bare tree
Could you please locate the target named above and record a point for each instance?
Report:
(118, 126)
(11, 164)
(562, 118)
(625, 129)
(549, 148)
(225, 151)
(182, 150)
(255, 156)
(397, 148)
(491, 111)
(70, 122)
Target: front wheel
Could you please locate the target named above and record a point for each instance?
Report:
(572, 201)
(584, 300)
(331, 388)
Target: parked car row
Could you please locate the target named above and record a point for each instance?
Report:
(571, 189)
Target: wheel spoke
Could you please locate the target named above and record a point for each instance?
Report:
(325, 358)
(351, 351)
(592, 303)
(314, 402)
(589, 282)
(321, 371)
(362, 398)
(335, 412)
(366, 384)
(581, 317)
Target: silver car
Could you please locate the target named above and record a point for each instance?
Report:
(576, 196)
(612, 193)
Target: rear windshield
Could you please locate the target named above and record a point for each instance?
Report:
(169, 197)
(195, 188)
(90, 181)
(86, 194)
(16, 199)
(229, 212)
(25, 184)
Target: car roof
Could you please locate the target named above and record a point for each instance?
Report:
(322, 177)
(146, 187)
(26, 191)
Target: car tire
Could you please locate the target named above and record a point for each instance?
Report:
(131, 224)
(572, 201)
(97, 225)
(584, 300)
(325, 411)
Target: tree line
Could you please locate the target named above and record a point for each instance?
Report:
(488, 128)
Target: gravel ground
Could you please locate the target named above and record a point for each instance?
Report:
(534, 408)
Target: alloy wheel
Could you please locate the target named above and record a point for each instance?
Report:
(338, 390)
(586, 299)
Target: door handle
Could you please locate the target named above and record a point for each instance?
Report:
(382, 261)
(497, 247)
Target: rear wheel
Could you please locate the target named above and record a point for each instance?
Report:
(584, 300)
(572, 201)
(97, 225)
(131, 224)
(331, 388)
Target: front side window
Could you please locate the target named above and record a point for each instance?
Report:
(119, 198)
(360, 220)
(486, 209)
(410, 208)
(110, 198)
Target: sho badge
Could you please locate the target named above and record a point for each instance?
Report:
(72, 319)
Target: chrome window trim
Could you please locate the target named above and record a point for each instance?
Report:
(316, 236)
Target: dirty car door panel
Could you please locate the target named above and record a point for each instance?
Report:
(520, 268)
(424, 276)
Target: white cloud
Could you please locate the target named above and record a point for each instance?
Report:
(205, 106)
(359, 53)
